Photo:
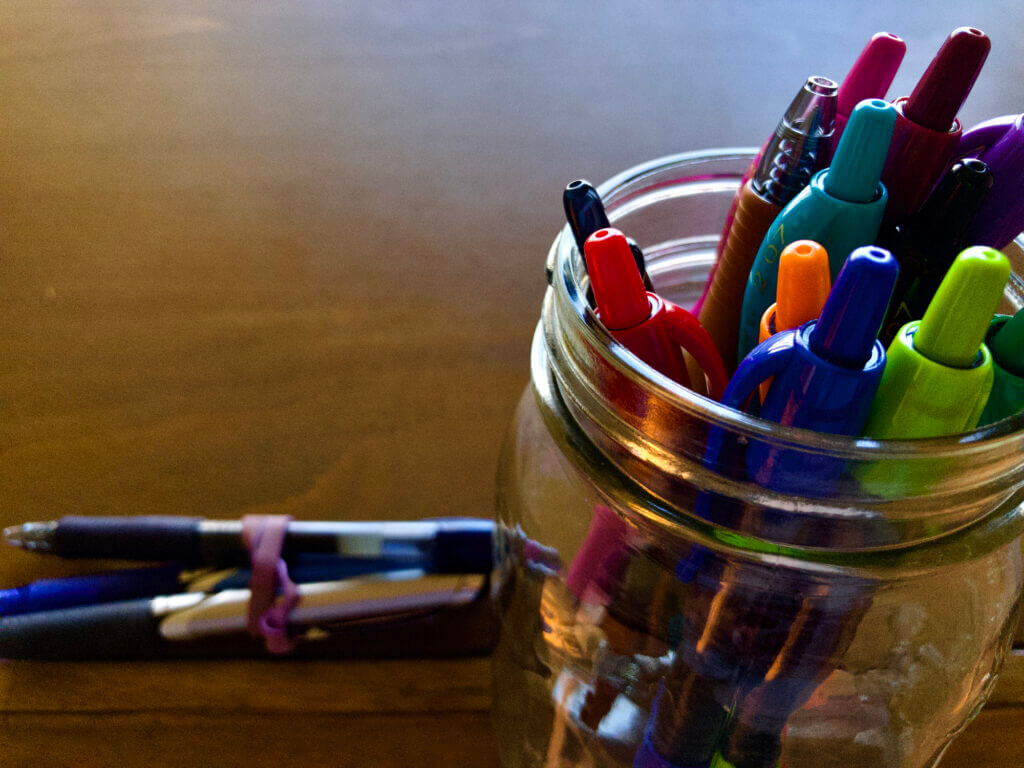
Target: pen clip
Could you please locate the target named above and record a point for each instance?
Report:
(686, 331)
(984, 135)
(766, 360)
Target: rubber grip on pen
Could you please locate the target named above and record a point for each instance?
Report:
(113, 631)
(154, 537)
(720, 312)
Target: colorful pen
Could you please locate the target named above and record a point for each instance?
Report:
(585, 213)
(1005, 341)
(1000, 144)
(799, 148)
(651, 328)
(927, 132)
(841, 209)
(869, 77)
(939, 372)
(804, 283)
(926, 243)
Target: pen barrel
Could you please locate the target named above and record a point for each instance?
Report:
(917, 158)
(156, 537)
(108, 587)
(720, 312)
(125, 630)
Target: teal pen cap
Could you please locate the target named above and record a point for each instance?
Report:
(841, 209)
(859, 158)
(1005, 341)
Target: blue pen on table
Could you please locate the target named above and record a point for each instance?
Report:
(131, 583)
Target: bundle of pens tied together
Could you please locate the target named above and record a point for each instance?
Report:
(858, 220)
(232, 587)
(854, 293)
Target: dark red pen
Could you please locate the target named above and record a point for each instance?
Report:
(650, 327)
(927, 131)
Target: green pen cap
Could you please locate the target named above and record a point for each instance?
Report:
(959, 315)
(1006, 341)
(938, 372)
(859, 158)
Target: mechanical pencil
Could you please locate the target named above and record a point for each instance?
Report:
(800, 146)
(841, 209)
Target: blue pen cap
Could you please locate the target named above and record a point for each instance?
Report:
(845, 333)
(816, 393)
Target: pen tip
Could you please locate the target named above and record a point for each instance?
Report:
(36, 537)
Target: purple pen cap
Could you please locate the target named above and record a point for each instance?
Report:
(845, 333)
(870, 76)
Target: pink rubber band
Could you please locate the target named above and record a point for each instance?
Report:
(268, 614)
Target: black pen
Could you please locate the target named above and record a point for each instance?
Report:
(585, 213)
(452, 545)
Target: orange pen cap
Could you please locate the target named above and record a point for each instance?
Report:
(804, 283)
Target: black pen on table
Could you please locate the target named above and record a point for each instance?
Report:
(449, 545)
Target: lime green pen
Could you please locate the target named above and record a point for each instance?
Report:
(1006, 342)
(939, 372)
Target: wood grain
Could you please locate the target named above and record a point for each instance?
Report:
(287, 257)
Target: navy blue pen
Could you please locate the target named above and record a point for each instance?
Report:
(586, 215)
(131, 583)
(447, 545)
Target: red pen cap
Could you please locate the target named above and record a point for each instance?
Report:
(618, 287)
(944, 86)
(870, 76)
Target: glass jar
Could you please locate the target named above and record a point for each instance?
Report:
(663, 609)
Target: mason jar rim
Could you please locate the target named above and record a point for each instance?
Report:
(993, 437)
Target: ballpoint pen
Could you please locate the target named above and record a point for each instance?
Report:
(651, 328)
(926, 243)
(1005, 341)
(939, 371)
(585, 213)
(927, 132)
(1000, 144)
(459, 545)
(800, 146)
(869, 77)
(127, 584)
(150, 628)
(804, 283)
(841, 209)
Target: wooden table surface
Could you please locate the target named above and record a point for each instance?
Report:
(286, 257)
